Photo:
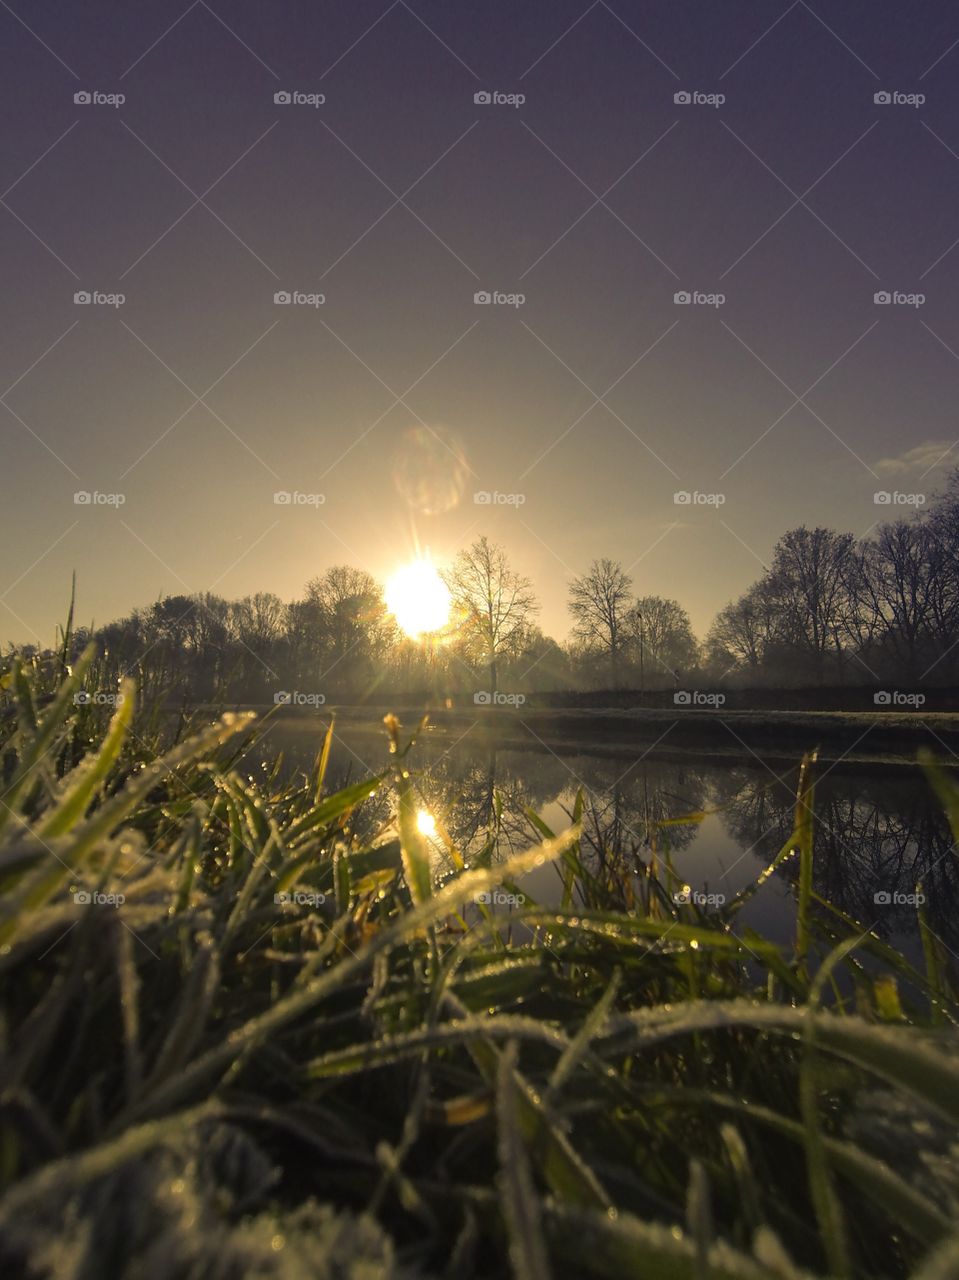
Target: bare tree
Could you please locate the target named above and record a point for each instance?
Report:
(743, 634)
(664, 634)
(257, 620)
(600, 602)
(896, 585)
(808, 584)
(346, 623)
(496, 603)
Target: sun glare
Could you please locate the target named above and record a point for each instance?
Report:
(426, 823)
(418, 598)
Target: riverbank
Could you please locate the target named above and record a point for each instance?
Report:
(883, 737)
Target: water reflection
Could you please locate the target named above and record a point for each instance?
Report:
(879, 832)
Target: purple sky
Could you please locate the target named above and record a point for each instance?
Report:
(598, 198)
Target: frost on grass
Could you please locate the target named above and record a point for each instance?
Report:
(202, 1204)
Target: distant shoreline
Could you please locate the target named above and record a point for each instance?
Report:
(886, 737)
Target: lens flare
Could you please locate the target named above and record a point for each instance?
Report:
(418, 598)
(430, 469)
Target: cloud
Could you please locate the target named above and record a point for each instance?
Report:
(923, 458)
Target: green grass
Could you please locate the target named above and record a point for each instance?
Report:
(201, 1081)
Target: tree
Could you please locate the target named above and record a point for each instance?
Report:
(743, 634)
(943, 551)
(809, 587)
(600, 603)
(664, 634)
(892, 589)
(496, 603)
(257, 620)
(345, 622)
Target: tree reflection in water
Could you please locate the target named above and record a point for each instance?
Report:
(878, 831)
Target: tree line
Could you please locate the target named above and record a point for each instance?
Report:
(829, 609)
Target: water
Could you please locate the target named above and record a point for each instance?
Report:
(879, 831)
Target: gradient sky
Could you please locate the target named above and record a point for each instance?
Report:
(399, 398)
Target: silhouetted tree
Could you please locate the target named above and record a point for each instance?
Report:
(663, 633)
(601, 604)
(496, 603)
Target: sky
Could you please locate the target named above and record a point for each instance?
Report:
(232, 152)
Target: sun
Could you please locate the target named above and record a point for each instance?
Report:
(426, 823)
(418, 598)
